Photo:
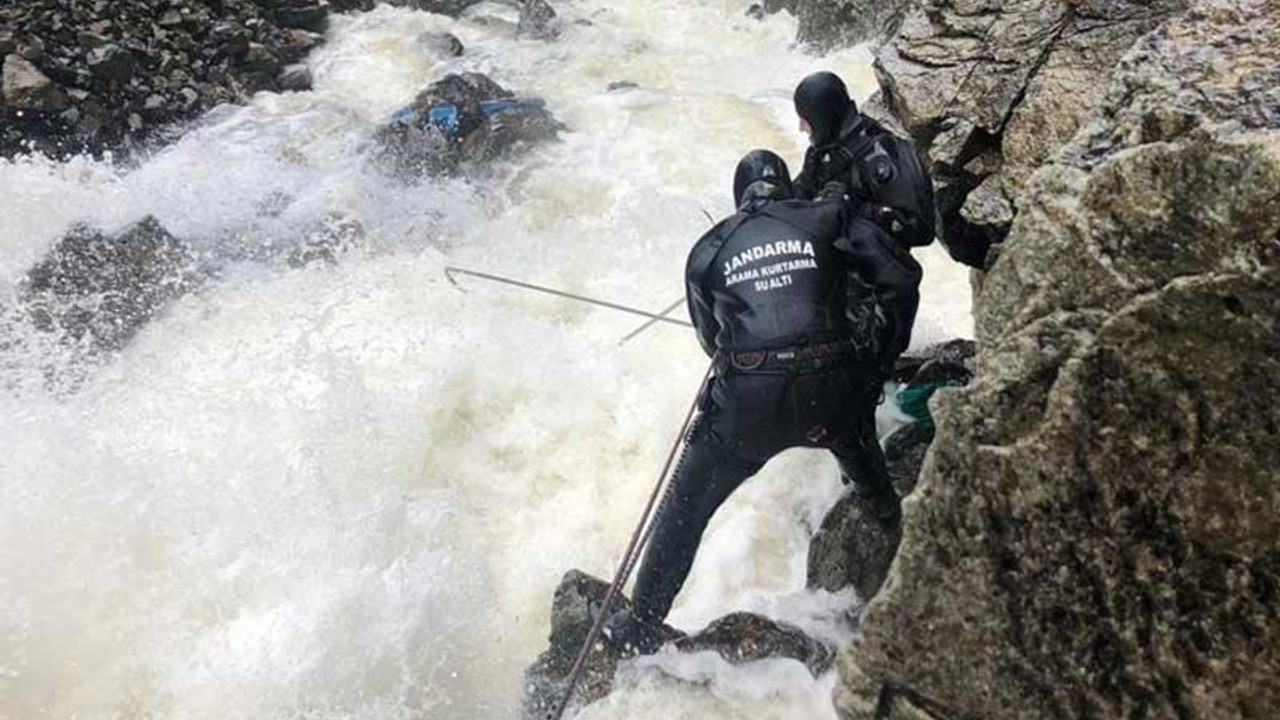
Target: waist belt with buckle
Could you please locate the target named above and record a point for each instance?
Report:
(789, 357)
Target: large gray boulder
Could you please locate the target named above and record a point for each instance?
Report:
(1019, 77)
(1094, 534)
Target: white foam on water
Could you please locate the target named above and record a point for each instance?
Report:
(348, 491)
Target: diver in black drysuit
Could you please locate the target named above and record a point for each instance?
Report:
(880, 179)
(767, 292)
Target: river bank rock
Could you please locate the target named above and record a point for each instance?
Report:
(96, 290)
(1094, 533)
(98, 76)
(738, 638)
(852, 546)
(1024, 76)
(482, 122)
(825, 25)
(829, 24)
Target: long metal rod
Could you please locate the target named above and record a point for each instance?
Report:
(638, 539)
(449, 272)
(650, 322)
(674, 305)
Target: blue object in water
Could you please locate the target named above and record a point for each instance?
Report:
(445, 117)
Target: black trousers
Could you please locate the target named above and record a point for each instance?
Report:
(749, 418)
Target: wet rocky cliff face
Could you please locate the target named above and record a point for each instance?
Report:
(990, 90)
(1094, 533)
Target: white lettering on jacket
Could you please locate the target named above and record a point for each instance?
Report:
(738, 268)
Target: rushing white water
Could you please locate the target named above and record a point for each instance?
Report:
(347, 491)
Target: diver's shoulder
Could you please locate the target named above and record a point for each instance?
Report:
(810, 208)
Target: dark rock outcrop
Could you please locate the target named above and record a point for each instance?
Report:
(1094, 532)
(452, 8)
(738, 638)
(414, 144)
(852, 547)
(828, 24)
(950, 360)
(744, 637)
(759, 10)
(96, 76)
(538, 21)
(546, 681)
(97, 290)
(1020, 78)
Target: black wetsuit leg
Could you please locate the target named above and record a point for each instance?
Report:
(706, 476)
(750, 418)
(857, 447)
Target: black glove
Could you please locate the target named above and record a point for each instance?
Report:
(833, 190)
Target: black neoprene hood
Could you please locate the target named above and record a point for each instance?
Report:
(823, 100)
(761, 166)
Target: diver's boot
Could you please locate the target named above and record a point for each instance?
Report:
(883, 504)
(631, 635)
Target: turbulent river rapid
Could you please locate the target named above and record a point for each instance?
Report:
(349, 490)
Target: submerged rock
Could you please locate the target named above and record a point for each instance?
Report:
(738, 638)
(463, 121)
(538, 21)
(1094, 532)
(99, 290)
(744, 637)
(441, 44)
(452, 8)
(326, 240)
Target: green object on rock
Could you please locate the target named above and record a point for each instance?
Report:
(914, 401)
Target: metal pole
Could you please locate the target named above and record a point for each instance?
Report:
(639, 538)
(673, 306)
(649, 323)
(449, 272)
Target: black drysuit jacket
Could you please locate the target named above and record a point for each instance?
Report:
(781, 273)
